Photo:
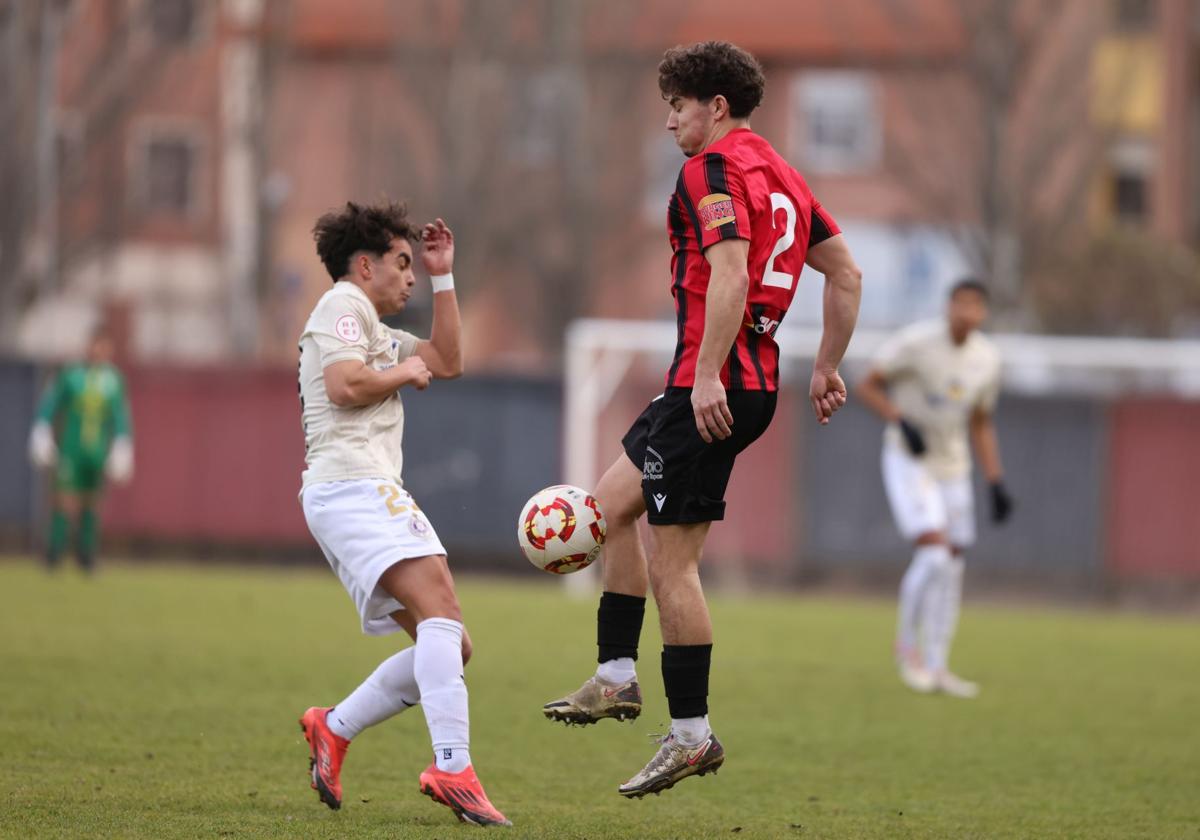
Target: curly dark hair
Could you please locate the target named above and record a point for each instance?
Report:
(710, 68)
(970, 284)
(355, 228)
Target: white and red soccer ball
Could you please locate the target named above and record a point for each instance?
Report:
(561, 529)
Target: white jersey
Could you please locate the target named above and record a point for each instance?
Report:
(937, 385)
(359, 441)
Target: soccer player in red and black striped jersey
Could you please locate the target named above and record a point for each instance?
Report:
(742, 224)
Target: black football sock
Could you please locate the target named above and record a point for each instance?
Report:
(619, 625)
(685, 677)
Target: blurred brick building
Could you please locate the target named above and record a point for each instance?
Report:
(196, 142)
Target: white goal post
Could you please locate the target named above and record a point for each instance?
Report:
(600, 353)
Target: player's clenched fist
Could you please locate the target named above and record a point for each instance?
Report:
(415, 373)
(827, 392)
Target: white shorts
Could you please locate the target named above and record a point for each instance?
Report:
(920, 503)
(366, 526)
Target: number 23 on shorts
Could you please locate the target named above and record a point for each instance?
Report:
(394, 499)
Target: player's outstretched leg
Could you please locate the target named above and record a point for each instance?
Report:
(60, 535)
(389, 690)
(88, 539)
(918, 594)
(425, 587)
(613, 691)
(944, 608)
(691, 748)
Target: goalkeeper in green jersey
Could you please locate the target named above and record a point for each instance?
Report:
(82, 431)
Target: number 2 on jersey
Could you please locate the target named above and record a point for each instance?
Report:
(772, 277)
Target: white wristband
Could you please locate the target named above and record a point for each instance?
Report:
(442, 282)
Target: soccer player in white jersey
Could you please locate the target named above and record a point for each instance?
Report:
(353, 370)
(935, 384)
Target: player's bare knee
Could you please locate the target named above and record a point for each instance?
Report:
(669, 573)
(467, 647)
(619, 493)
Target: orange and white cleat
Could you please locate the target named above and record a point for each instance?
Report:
(463, 794)
(326, 753)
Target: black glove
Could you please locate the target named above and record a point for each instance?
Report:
(913, 438)
(1002, 503)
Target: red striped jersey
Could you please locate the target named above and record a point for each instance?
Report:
(740, 188)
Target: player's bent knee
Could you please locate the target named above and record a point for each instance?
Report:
(932, 538)
(467, 647)
(620, 505)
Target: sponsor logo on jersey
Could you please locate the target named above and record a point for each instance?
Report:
(765, 325)
(715, 209)
(348, 329)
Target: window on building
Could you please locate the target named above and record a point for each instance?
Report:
(168, 175)
(538, 133)
(1131, 164)
(1133, 15)
(1129, 197)
(835, 126)
(172, 21)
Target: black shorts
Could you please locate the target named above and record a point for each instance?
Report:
(684, 478)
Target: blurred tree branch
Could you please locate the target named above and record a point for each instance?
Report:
(1010, 148)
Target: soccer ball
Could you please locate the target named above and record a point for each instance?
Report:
(561, 529)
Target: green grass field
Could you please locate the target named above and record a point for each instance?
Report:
(158, 702)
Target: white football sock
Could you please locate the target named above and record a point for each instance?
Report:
(944, 609)
(438, 667)
(617, 671)
(391, 689)
(915, 591)
(690, 731)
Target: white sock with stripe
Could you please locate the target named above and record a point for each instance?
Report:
(390, 689)
(916, 590)
(943, 614)
(438, 668)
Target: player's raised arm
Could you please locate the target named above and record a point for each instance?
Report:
(843, 291)
(443, 351)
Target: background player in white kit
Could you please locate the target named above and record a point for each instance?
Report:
(935, 383)
(376, 539)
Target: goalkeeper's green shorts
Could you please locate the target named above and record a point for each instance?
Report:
(79, 472)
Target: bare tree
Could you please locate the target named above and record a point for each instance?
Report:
(25, 35)
(531, 129)
(1006, 140)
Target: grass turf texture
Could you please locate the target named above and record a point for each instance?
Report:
(162, 702)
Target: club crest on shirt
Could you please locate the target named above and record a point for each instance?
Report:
(715, 209)
(348, 329)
